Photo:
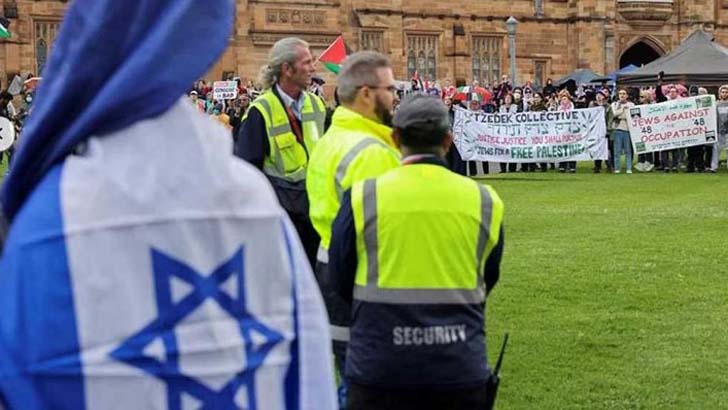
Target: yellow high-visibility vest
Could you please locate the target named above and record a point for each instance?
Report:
(424, 234)
(287, 158)
(354, 148)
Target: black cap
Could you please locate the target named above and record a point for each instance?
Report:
(422, 112)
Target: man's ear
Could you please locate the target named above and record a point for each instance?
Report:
(285, 69)
(365, 92)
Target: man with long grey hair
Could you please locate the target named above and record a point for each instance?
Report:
(281, 129)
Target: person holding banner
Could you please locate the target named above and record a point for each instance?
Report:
(620, 133)
(538, 104)
(696, 153)
(671, 158)
(601, 101)
(645, 162)
(566, 104)
(509, 106)
(707, 154)
(720, 144)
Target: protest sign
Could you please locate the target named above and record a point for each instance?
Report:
(16, 86)
(577, 135)
(673, 124)
(225, 90)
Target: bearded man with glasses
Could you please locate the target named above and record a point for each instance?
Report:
(357, 146)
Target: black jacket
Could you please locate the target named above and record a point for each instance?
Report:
(381, 353)
(251, 142)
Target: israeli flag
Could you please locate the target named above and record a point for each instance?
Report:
(153, 270)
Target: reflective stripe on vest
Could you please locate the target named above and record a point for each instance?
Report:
(276, 130)
(275, 164)
(318, 116)
(349, 158)
(373, 293)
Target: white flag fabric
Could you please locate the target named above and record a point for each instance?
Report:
(156, 271)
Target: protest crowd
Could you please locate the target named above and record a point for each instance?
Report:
(506, 98)
(342, 241)
(486, 98)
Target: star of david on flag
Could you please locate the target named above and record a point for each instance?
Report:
(205, 364)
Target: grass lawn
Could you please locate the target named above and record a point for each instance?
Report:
(614, 291)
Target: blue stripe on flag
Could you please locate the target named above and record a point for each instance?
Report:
(40, 367)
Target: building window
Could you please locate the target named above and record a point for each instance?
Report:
(538, 8)
(539, 72)
(487, 59)
(372, 40)
(44, 36)
(41, 55)
(411, 63)
(422, 56)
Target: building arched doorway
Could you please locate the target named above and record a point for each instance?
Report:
(639, 54)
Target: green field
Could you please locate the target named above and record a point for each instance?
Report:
(614, 291)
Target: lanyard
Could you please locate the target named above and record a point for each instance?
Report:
(294, 125)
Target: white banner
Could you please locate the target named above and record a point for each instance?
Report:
(225, 90)
(544, 136)
(673, 124)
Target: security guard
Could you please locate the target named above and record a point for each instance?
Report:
(281, 129)
(357, 146)
(417, 250)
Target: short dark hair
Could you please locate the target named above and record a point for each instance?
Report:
(422, 121)
(420, 138)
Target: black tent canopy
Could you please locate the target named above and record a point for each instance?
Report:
(580, 76)
(698, 60)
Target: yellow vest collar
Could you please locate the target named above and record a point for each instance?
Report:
(351, 120)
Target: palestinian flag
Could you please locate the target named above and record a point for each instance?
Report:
(4, 24)
(335, 55)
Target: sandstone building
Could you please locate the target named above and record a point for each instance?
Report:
(456, 39)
